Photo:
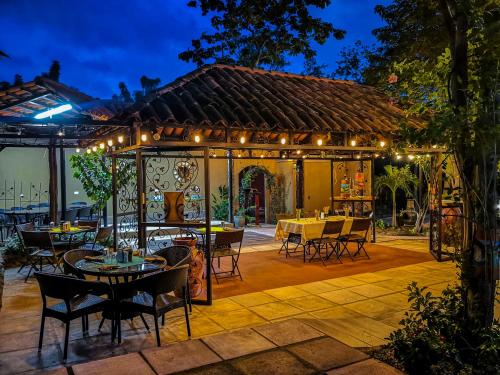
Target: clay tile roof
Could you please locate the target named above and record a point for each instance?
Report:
(239, 97)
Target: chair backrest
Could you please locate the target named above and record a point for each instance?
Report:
(228, 237)
(71, 257)
(85, 212)
(89, 223)
(361, 226)
(162, 282)
(103, 233)
(70, 215)
(66, 287)
(333, 228)
(176, 255)
(26, 227)
(39, 239)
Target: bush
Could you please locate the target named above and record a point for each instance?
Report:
(12, 251)
(434, 338)
(220, 204)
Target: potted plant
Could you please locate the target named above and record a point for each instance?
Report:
(239, 218)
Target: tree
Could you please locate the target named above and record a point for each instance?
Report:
(94, 172)
(312, 68)
(452, 79)
(395, 179)
(149, 84)
(353, 63)
(18, 80)
(125, 93)
(54, 71)
(259, 33)
(3, 54)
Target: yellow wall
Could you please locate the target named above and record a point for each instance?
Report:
(316, 184)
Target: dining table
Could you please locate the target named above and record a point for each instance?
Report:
(108, 267)
(309, 228)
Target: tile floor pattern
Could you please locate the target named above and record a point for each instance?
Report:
(359, 311)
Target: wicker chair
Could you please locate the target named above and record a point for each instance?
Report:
(150, 296)
(71, 257)
(27, 227)
(80, 298)
(222, 248)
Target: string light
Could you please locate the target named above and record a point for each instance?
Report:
(382, 143)
(353, 142)
(411, 157)
(283, 140)
(94, 148)
(144, 137)
(88, 151)
(101, 145)
(434, 146)
(110, 142)
(262, 156)
(197, 138)
(298, 152)
(60, 133)
(77, 150)
(242, 140)
(398, 157)
(376, 155)
(319, 142)
(120, 139)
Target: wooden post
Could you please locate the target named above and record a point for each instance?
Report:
(52, 184)
(62, 168)
(141, 200)
(230, 191)
(299, 193)
(208, 219)
(372, 193)
(115, 202)
(332, 191)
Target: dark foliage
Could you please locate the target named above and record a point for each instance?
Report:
(259, 33)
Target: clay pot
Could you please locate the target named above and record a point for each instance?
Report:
(195, 273)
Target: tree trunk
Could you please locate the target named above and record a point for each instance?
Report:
(394, 210)
(479, 196)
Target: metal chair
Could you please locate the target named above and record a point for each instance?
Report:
(358, 234)
(42, 241)
(102, 236)
(80, 298)
(151, 296)
(295, 239)
(329, 237)
(222, 247)
(27, 227)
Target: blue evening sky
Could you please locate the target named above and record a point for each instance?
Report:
(100, 43)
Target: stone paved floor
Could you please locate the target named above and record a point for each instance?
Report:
(359, 311)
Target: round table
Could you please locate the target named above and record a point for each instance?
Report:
(137, 267)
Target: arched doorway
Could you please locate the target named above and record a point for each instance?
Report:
(257, 187)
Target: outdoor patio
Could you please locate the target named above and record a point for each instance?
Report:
(359, 310)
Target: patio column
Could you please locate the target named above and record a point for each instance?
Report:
(299, 192)
(230, 192)
(52, 184)
(62, 168)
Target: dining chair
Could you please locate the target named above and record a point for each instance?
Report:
(41, 241)
(101, 237)
(329, 238)
(222, 248)
(71, 257)
(177, 256)
(79, 299)
(151, 296)
(20, 228)
(358, 234)
(70, 215)
(84, 213)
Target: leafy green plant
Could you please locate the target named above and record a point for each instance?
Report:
(220, 203)
(434, 338)
(13, 247)
(380, 224)
(394, 179)
(93, 170)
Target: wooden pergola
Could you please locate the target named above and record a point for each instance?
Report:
(86, 121)
(235, 112)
